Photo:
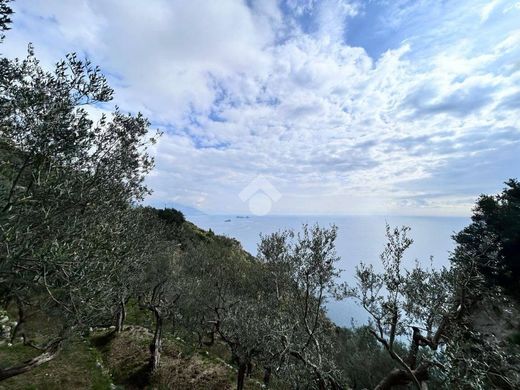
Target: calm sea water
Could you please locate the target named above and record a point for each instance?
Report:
(360, 238)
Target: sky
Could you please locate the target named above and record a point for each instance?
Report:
(394, 107)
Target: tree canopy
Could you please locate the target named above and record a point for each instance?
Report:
(77, 244)
(492, 240)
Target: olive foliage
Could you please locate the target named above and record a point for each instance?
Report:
(67, 185)
(75, 243)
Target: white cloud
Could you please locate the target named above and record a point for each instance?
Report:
(242, 91)
(487, 10)
(331, 18)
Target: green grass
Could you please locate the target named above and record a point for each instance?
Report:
(183, 366)
(77, 366)
(136, 315)
(105, 359)
(15, 354)
(125, 355)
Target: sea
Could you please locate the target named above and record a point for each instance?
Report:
(359, 239)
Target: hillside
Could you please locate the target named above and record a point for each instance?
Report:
(98, 291)
(104, 359)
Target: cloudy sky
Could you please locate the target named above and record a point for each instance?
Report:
(375, 107)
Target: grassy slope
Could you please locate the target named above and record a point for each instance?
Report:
(182, 367)
(104, 360)
(76, 367)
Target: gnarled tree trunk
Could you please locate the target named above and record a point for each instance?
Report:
(50, 353)
(155, 346)
(399, 377)
(267, 377)
(241, 375)
(19, 328)
(121, 316)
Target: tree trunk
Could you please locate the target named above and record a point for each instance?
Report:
(200, 338)
(211, 335)
(335, 385)
(267, 376)
(399, 377)
(155, 346)
(121, 316)
(19, 328)
(242, 368)
(394, 378)
(50, 353)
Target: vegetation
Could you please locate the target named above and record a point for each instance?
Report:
(104, 291)
(492, 240)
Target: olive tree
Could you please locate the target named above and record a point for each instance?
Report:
(160, 291)
(362, 360)
(225, 302)
(147, 238)
(416, 302)
(302, 277)
(66, 183)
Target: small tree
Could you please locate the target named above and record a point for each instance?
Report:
(160, 293)
(301, 278)
(142, 232)
(225, 300)
(361, 359)
(419, 303)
